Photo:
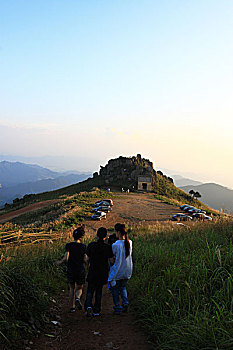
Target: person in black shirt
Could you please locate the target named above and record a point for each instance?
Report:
(75, 257)
(98, 253)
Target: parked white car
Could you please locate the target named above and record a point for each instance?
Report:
(99, 215)
(201, 216)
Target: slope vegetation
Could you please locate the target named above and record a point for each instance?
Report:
(119, 173)
(214, 195)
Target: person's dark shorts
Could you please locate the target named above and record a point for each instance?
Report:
(76, 277)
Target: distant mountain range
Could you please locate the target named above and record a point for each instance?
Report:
(13, 173)
(57, 163)
(18, 179)
(182, 181)
(214, 195)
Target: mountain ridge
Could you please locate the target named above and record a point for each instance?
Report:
(8, 194)
(181, 181)
(12, 173)
(18, 179)
(216, 196)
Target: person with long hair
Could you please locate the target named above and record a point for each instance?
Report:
(75, 257)
(98, 253)
(121, 270)
(113, 238)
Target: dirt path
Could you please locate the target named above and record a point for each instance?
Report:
(76, 331)
(13, 214)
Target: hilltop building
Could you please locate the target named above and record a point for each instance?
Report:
(145, 183)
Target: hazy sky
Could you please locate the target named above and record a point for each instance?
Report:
(97, 79)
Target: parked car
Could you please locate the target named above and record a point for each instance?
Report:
(104, 202)
(104, 208)
(198, 216)
(193, 210)
(183, 206)
(201, 216)
(181, 217)
(99, 215)
(188, 208)
(98, 203)
(207, 217)
(110, 201)
(198, 210)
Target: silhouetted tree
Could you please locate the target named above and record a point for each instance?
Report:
(192, 193)
(197, 195)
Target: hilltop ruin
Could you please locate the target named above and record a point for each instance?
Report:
(129, 173)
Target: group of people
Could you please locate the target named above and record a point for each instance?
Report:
(108, 262)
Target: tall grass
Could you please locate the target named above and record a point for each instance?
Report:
(181, 290)
(28, 279)
(182, 286)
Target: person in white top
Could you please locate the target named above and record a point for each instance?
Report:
(121, 270)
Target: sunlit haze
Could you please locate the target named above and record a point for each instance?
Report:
(92, 80)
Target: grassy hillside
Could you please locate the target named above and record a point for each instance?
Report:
(165, 187)
(182, 286)
(29, 281)
(86, 185)
(214, 195)
(166, 191)
(122, 172)
(57, 216)
(180, 292)
(162, 187)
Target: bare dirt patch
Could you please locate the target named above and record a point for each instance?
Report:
(13, 214)
(132, 209)
(135, 209)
